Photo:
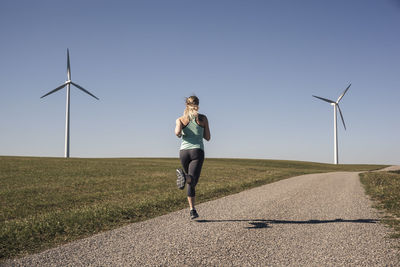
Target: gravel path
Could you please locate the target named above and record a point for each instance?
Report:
(310, 220)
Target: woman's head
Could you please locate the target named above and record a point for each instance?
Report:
(192, 107)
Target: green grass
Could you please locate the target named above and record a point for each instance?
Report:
(49, 201)
(384, 188)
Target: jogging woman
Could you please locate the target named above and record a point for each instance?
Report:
(192, 127)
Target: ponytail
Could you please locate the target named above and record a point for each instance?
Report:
(192, 108)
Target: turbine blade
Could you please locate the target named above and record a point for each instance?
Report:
(324, 99)
(341, 116)
(68, 66)
(55, 90)
(83, 89)
(341, 96)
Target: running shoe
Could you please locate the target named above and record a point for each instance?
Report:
(181, 179)
(193, 214)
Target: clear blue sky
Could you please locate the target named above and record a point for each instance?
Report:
(254, 65)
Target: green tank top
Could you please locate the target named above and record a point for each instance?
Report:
(192, 136)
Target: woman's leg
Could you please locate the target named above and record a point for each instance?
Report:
(191, 201)
(184, 156)
(194, 170)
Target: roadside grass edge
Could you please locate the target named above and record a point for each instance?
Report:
(384, 190)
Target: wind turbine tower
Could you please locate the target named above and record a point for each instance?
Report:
(68, 83)
(335, 108)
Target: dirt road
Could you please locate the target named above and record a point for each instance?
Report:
(310, 220)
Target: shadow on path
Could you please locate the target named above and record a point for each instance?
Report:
(262, 223)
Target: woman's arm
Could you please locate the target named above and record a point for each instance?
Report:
(206, 134)
(178, 128)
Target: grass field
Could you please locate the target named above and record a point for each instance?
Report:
(384, 187)
(49, 201)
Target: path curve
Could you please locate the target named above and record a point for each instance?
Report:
(309, 220)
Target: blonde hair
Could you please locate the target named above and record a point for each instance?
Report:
(192, 107)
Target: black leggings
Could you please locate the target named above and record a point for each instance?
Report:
(192, 161)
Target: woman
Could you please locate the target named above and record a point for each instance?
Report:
(192, 127)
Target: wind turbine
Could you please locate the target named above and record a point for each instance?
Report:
(68, 83)
(335, 107)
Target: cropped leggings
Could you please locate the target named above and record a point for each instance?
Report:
(192, 161)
